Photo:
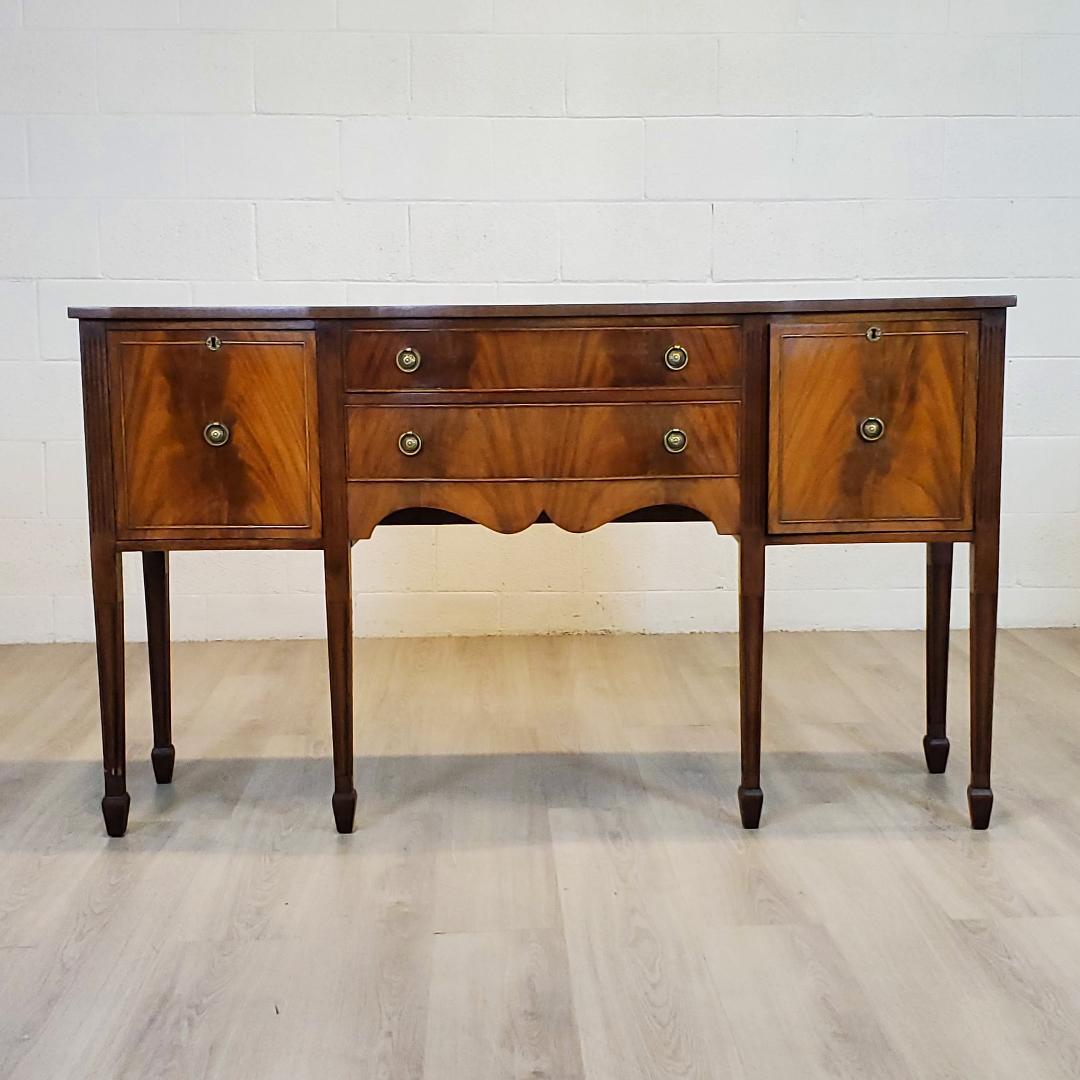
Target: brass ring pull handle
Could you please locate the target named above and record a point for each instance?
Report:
(874, 333)
(676, 358)
(213, 343)
(871, 429)
(408, 360)
(675, 440)
(216, 433)
(409, 443)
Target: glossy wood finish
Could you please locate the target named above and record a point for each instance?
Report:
(826, 378)
(106, 575)
(984, 563)
(168, 386)
(552, 414)
(527, 358)
(939, 564)
(156, 594)
(576, 506)
(337, 566)
(543, 442)
(549, 314)
(752, 571)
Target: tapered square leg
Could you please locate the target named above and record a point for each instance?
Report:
(984, 561)
(163, 758)
(984, 595)
(156, 591)
(750, 803)
(751, 645)
(114, 809)
(344, 803)
(106, 572)
(980, 804)
(936, 752)
(939, 565)
(338, 573)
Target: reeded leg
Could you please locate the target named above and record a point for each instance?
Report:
(108, 584)
(939, 564)
(156, 590)
(751, 643)
(338, 570)
(984, 595)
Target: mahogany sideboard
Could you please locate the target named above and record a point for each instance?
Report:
(800, 422)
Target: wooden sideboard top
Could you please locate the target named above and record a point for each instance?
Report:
(529, 311)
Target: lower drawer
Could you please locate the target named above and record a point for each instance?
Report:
(543, 442)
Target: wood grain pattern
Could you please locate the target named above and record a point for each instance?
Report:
(985, 552)
(106, 573)
(939, 564)
(169, 386)
(545, 414)
(542, 442)
(234, 934)
(752, 530)
(337, 571)
(510, 507)
(551, 312)
(158, 647)
(952, 536)
(539, 359)
(919, 378)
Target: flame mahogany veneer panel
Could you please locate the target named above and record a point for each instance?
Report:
(510, 506)
(532, 358)
(918, 379)
(262, 386)
(581, 441)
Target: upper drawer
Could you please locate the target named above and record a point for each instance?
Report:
(216, 431)
(543, 442)
(685, 357)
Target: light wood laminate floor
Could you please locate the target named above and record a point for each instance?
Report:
(548, 877)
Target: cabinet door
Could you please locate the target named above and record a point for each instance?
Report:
(872, 425)
(215, 432)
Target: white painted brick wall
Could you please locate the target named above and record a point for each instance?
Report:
(330, 240)
(173, 72)
(12, 156)
(266, 157)
(187, 238)
(118, 156)
(464, 241)
(487, 75)
(447, 159)
(481, 151)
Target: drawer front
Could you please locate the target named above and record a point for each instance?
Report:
(872, 425)
(540, 442)
(215, 430)
(530, 359)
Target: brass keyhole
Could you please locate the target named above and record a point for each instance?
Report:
(213, 343)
